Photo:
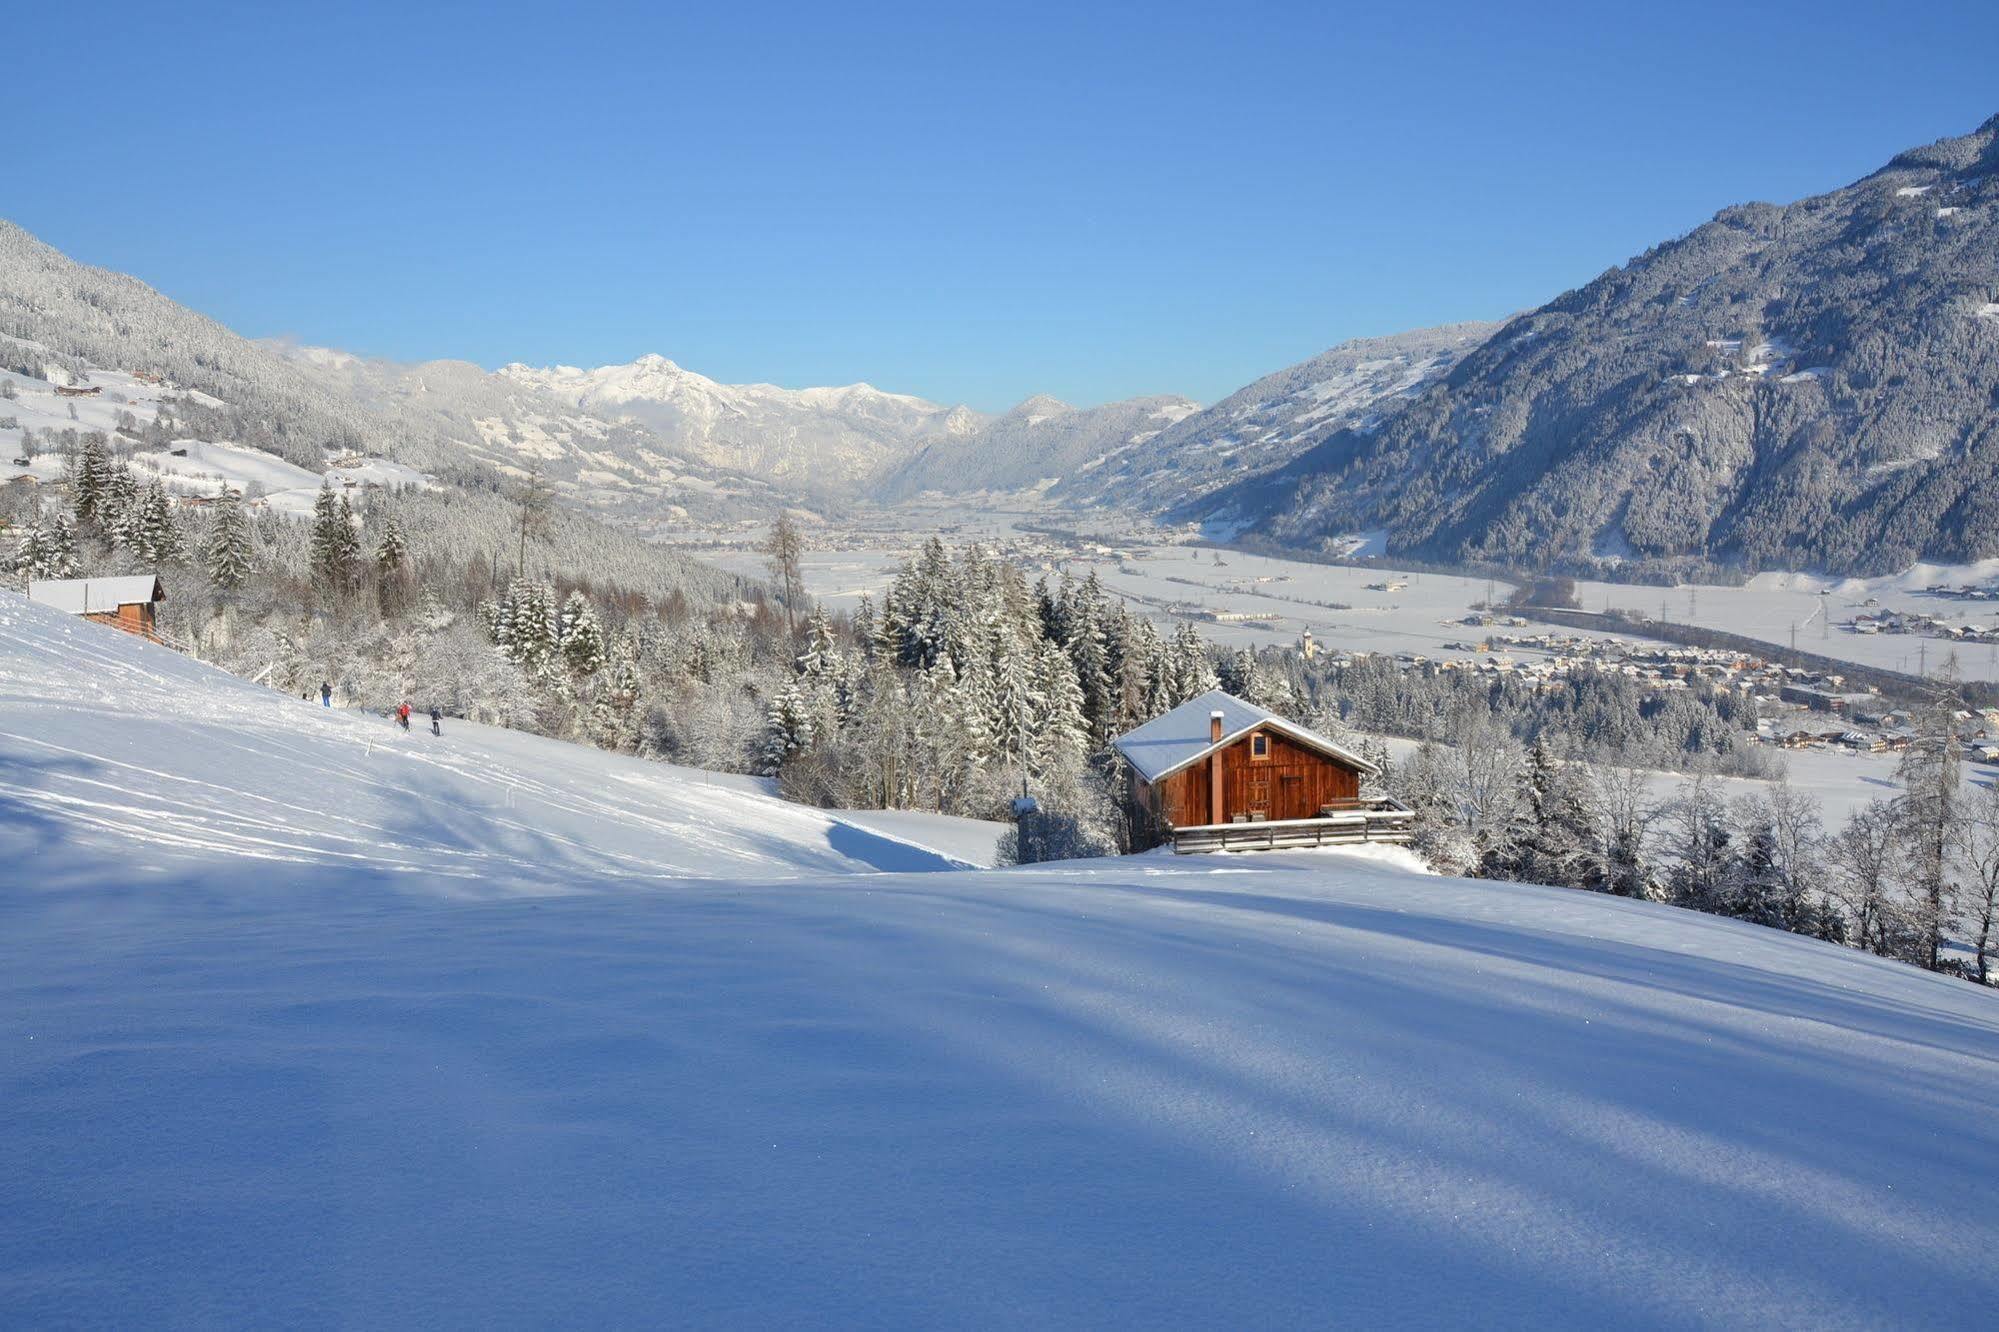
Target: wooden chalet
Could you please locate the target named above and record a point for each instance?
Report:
(1220, 774)
(123, 603)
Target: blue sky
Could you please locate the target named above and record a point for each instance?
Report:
(973, 204)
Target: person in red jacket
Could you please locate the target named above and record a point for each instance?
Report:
(403, 715)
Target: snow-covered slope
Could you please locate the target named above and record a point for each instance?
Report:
(1041, 443)
(124, 738)
(306, 1022)
(1274, 420)
(832, 438)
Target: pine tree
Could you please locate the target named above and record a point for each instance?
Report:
(49, 550)
(1017, 706)
(1062, 741)
(228, 550)
(156, 537)
(821, 658)
(1193, 674)
(87, 484)
(1554, 828)
(118, 507)
(1760, 888)
(787, 728)
(580, 638)
(1083, 615)
(867, 627)
(392, 555)
(527, 629)
(335, 548)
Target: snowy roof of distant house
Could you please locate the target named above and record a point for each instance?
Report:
(1175, 739)
(96, 596)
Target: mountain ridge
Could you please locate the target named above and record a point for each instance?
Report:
(1807, 385)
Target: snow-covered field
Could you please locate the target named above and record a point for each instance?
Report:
(1769, 604)
(1416, 613)
(309, 1022)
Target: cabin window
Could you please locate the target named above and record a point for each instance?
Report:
(1259, 746)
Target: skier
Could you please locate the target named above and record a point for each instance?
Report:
(403, 715)
(436, 720)
(325, 694)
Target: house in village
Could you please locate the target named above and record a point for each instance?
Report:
(1217, 773)
(123, 603)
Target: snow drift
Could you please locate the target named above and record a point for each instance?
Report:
(306, 1023)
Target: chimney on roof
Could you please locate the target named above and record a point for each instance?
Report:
(1214, 727)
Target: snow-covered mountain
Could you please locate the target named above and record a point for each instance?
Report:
(1804, 386)
(1275, 419)
(62, 322)
(832, 439)
(308, 1021)
(1040, 444)
(618, 468)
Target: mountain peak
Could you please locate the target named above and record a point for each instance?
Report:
(1041, 404)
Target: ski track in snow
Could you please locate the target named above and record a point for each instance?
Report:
(308, 1022)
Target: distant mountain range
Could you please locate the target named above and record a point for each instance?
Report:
(835, 439)
(1813, 386)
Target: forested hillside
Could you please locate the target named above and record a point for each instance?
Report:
(1810, 386)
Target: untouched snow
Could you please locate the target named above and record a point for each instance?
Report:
(297, 1032)
(239, 770)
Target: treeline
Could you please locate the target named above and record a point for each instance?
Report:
(1586, 712)
(1914, 878)
(966, 686)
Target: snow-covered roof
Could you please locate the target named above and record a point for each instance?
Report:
(1175, 739)
(96, 596)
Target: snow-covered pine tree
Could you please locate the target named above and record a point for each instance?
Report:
(227, 553)
(1017, 705)
(820, 659)
(1553, 830)
(867, 625)
(335, 548)
(88, 475)
(49, 550)
(787, 727)
(1193, 672)
(118, 508)
(156, 537)
(392, 554)
(580, 637)
(529, 629)
(1062, 740)
(1083, 614)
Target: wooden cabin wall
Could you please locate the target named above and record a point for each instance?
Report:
(1293, 783)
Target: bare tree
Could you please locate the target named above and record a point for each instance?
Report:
(1865, 859)
(1931, 771)
(1625, 810)
(532, 503)
(786, 547)
(1978, 852)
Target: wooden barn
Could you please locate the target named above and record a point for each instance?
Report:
(1217, 773)
(123, 603)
